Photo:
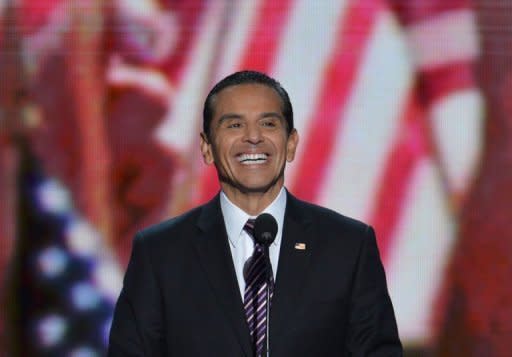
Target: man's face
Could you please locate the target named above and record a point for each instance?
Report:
(248, 142)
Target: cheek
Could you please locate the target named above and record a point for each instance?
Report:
(223, 151)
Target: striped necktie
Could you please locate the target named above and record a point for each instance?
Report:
(255, 295)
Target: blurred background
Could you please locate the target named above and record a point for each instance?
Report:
(405, 118)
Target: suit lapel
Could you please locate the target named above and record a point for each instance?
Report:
(292, 269)
(213, 250)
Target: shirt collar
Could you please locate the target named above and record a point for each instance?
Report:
(235, 218)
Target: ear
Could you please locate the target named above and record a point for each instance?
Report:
(291, 145)
(206, 149)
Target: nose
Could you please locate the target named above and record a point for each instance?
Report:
(253, 134)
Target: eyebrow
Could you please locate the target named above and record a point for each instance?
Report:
(272, 114)
(230, 116)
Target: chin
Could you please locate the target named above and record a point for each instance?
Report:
(258, 187)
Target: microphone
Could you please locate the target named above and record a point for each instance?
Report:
(265, 231)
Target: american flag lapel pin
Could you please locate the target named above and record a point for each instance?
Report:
(300, 246)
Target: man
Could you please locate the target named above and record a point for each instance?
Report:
(185, 291)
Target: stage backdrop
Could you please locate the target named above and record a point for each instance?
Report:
(101, 106)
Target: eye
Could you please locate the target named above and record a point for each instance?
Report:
(269, 123)
(234, 125)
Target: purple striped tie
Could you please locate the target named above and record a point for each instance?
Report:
(255, 295)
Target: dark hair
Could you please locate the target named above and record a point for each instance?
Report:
(247, 77)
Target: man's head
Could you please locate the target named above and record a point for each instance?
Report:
(247, 77)
(248, 134)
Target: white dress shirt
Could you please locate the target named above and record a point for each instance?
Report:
(240, 243)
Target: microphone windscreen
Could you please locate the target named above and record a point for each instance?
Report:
(265, 229)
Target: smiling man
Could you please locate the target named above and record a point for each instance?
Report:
(193, 285)
(249, 136)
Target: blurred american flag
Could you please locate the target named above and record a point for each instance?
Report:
(67, 281)
(385, 104)
(388, 113)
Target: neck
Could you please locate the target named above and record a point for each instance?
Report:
(253, 203)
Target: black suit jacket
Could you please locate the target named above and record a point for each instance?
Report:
(181, 297)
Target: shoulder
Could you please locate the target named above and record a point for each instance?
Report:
(178, 230)
(168, 227)
(328, 219)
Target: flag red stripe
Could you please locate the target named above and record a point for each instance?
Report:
(338, 80)
(259, 54)
(412, 11)
(390, 199)
(264, 44)
(189, 12)
(441, 81)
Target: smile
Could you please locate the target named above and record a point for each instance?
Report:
(251, 159)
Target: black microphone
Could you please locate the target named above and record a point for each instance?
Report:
(265, 231)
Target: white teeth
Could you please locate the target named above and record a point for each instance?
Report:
(252, 158)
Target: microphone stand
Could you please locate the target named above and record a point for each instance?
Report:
(268, 277)
(265, 228)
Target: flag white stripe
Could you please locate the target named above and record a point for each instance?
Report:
(370, 124)
(244, 16)
(303, 56)
(423, 240)
(457, 123)
(449, 37)
(179, 130)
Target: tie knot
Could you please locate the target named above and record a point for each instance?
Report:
(249, 226)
